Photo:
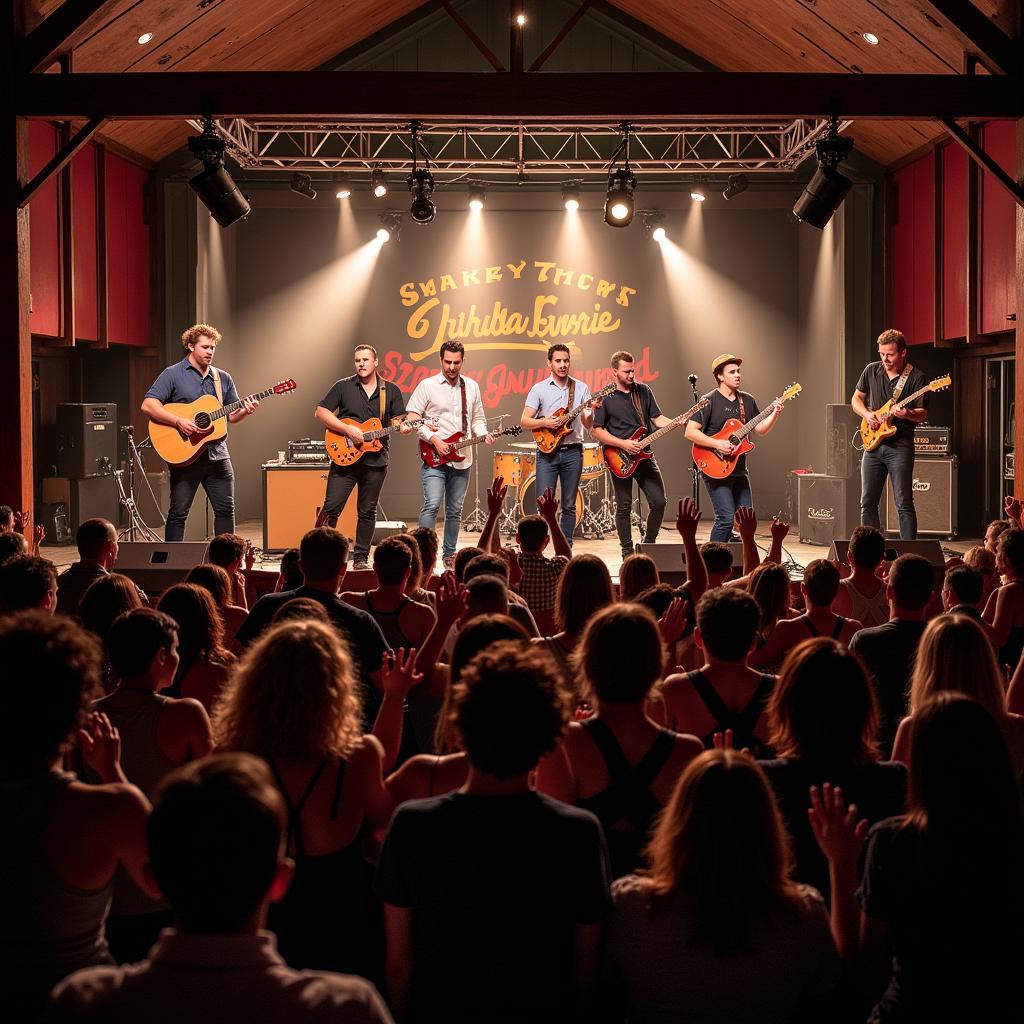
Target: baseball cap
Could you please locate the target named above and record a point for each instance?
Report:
(719, 361)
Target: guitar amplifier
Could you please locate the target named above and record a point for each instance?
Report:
(934, 498)
(932, 441)
(306, 451)
(829, 507)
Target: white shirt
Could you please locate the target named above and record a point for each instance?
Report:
(436, 399)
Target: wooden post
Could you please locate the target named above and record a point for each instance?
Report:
(1018, 365)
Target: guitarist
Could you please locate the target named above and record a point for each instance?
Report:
(188, 381)
(565, 463)
(881, 381)
(727, 403)
(361, 397)
(629, 406)
(453, 401)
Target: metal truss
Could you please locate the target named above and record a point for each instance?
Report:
(511, 150)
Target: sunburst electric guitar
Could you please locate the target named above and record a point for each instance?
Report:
(179, 449)
(718, 465)
(549, 438)
(886, 428)
(623, 465)
(343, 451)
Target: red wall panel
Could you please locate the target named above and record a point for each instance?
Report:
(127, 253)
(954, 241)
(912, 248)
(901, 242)
(997, 289)
(136, 182)
(83, 195)
(44, 235)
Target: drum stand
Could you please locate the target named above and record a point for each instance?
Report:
(605, 515)
(590, 526)
(126, 496)
(477, 519)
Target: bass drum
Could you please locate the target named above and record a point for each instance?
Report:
(514, 467)
(528, 500)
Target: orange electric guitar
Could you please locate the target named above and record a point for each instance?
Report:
(718, 465)
(623, 465)
(179, 449)
(343, 451)
(548, 439)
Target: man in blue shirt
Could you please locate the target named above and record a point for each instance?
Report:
(186, 381)
(565, 463)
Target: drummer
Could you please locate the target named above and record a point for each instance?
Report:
(547, 401)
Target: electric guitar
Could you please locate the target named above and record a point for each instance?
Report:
(623, 465)
(549, 438)
(430, 455)
(886, 428)
(343, 451)
(718, 465)
(179, 449)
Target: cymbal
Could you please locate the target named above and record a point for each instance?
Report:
(531, 445)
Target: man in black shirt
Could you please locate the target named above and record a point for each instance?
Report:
(727, 403)
(361, 397)
(630, 406)
(894, 457)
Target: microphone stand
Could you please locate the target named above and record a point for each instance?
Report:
(693, 467)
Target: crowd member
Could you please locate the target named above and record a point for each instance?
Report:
(216, 850)
(826, 733)
(983, 561)
(724, 694)
(216, 580)
(496, 564)
(11, 545)
(538, 888)
(486, 595)
(294, 701)
(888, 650)
(96, 540)
(619, 764)
(26, 582)
(717, 558)
(106, 600)
(769, 586)
(289, 576)
(157, 735)
(819, 588)
(235, 555)
(637, 573)
(718, 930)
(1004, 611)
(204, 662)
(65, 839)
(12, 522)
(940, 935)
(994, 531)
(299, 608)
(540, 574)
(6, 520)
(426, 541)
(963, 593)
(862, 594)
(415, 589)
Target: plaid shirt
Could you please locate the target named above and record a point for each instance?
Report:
(540, 579)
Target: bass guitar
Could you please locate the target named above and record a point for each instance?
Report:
(718, 465)
(343, 451)
(871, 439)
(433, 458)
(549, 438)
(177, 448)
(623, 465)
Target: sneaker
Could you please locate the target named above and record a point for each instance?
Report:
(448, 561)
(360, 563)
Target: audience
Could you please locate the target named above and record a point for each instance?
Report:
(983, 561)
(769, 586)
(106, 600)
(26, 582)
(862, 595)
(235, 555)
(963, 594)
(540, 574)
(96, 540)
(426, 541)
(289, 576)
(717, 559)
(12, 544)
(994, 531)
(6, 520)
(414, 588)
(636, 574)
(216, 580)
(497, 564)
(1004, 611)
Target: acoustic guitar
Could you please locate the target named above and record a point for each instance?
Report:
(871, 439)
(623, 465)
(718, 465)
(343, 451)
(179, 449)
(549, 438)
(430, 455)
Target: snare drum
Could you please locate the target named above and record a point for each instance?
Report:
(528, 499)
(593, 461)
(514, 467)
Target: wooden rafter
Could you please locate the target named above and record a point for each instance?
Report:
(59, 33)
(983, 159)
(467, 31)
(61, 158)
(992, 45)
(541, 60)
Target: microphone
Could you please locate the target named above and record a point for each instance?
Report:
(693, 380)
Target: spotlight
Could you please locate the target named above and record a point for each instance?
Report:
(146, 37)
(870, 38)
(390, 226)
(476, 197)
(697, 193)
(344, 187)
(618, 203)
(421, 185)
(379, 183)
(571, 195)
(827, 189)
(654, 224)
(520, 19)
(303, 185)
(737, 183)
(213, 185)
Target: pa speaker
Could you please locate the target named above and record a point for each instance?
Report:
(928, 549)
(934, 498)
(86, 439)
(92, 498)
(828, 507)
(155, 567)
(841, 426)
(671, 561)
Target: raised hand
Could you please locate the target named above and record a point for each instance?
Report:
(398, 673)
(547, 505)
(724, 741)
(101, 747)
(496, 495)
(515, 572)
(687, 518)
(1014, 507)
(673, 622)
(837, 829)
(452, 598)
(250, 555)
(746, 521)
(21, 521)
(779, 528)
(38, 536)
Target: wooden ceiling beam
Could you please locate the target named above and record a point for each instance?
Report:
(468, 97)
(983, 159)
(60, 33)
(991, 44)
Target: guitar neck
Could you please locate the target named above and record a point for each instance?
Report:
(573, 413)
(677, 422)
(903, 402)
(227, 410)
(750, 424)
(458, 446)
(373, 435)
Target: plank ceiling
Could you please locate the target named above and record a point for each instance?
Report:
(735, 35)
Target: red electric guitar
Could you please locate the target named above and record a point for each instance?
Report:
(623, 465)
(429, 454)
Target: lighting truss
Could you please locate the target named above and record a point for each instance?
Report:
(512, 151)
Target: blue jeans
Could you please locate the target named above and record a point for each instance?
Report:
(894, 459)
(451, 485)
(565, 465)
(727, 495)
(218, 480)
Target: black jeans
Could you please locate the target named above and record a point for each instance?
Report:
(894, 459)
(340, 482)
(648, 479)
(218, 480)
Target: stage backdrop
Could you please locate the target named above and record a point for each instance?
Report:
(296, 286)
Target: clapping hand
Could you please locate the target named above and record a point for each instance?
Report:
(398, 674)
(21, 522)
(250, 555)
(687, 518)
(101, 747)
(452, 598)
(38, 536)
(1014, 507)
(496, 495)
(746, 522)
(547, 505)
(673, 622)
(839, 833)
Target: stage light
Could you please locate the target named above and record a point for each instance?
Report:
(344, 187)
(146, 37)
(476, 197)
(383, 235)
(618, 201)
(571, 195)
(654, 224)
(871, 38)
(390, 226)
(379, 183)
(213, 185)
(827, 189)
(697, 193)
(520, 19)
(302, 184)
(737, 184)
(421, 185)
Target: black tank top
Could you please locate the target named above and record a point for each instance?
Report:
(742, 722)
(837, 629)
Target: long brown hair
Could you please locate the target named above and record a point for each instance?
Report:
(105, 599)
(200, 628)
(769, 587)
(585, 587)
(720, 844)
(637, 573)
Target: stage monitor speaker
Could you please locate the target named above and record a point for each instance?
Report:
(155, 567)
(930, 549)
(86, 439)
(292, 497)
(828, 507)
(934, 498)
(671, 561)
(841, 426)
(92, 498)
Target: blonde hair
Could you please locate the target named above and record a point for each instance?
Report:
(980, 559)
(196, 331)
(293, 695)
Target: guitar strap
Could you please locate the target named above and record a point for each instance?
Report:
(638, 407)
(572, 391)
(383, 400)
(217, 385)
(465, 419)
(743, 408)
(901, 383)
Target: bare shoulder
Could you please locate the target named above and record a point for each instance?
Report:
(112, 805)
(368, 752)
(356, 598)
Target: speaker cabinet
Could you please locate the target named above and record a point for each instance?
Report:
(92, 498)
(671, 561)
(155, 567)
(86, 439)
(934, 498)
(929, 549)
(828, 507)
(841, 426)
(292, 497)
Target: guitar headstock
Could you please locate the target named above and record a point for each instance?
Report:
(606, 390)
(792, 391)
(940, 382)
(282, 387)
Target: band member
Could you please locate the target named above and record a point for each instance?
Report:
(186, 382)
(727, 403)
(881, 381)
(361, 397)
(629, 406)
(565, 463)
(454, 403)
